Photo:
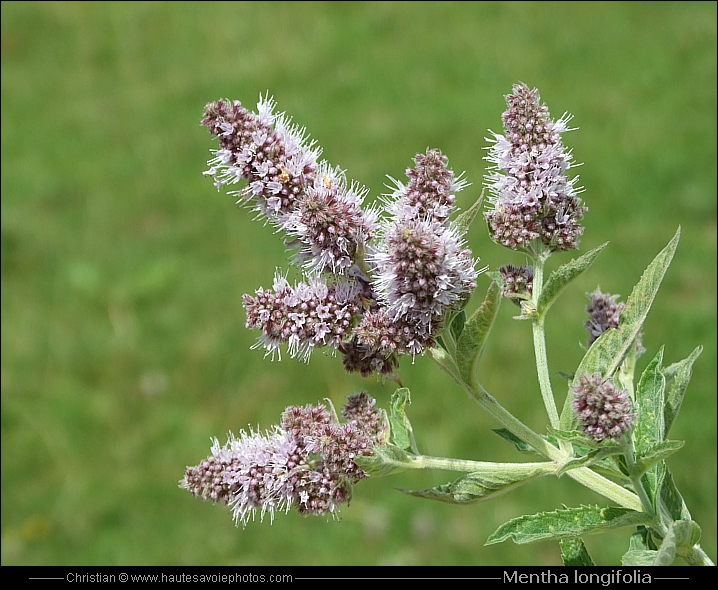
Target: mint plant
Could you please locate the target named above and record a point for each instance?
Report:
(394, 278)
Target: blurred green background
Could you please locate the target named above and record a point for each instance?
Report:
(123, 340)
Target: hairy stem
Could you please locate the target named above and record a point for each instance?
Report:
(466, 466)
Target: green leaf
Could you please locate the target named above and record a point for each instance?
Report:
(569, 522)
(513, 439)
(471, 342)
(562, 276)
(457, 323)
(574, 552)
(402, 434)
(447, 363)
(386, 460)
(672, 499)
(642, 557)
(641, 550)
(575, 437)
(654, 454)
(591, 458)
(642, 540)
(464, 220)
(486, 484)
(440, 493)
(606, 353)
(677, 377)
(650, 426)
(680, 538)
(687, 532)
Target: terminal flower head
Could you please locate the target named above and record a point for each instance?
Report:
(284, 181)
(264, 149)
(534, 205)
(422, 265)
(305, 463)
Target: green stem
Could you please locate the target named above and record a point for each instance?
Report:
(540, 346)
(696, 556)
(630, 457)
(583, 475)
(466, 466)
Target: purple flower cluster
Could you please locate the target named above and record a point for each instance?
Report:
(306, 463)
(374, 289)
(518, 281)
(419, 267)
(308, 200)
(305, 316)
(604, 312)
(422, 267)
(604, 410)
(533, 200)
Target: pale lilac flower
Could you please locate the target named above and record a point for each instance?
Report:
(362, 358)
(266, 150)
(531, 197)
(304, 316)
(397, 336)
(309, 200)
(306, 463)
(422, 266)
(251, 473)
(430, 192)
(328, 223)
(604, 410)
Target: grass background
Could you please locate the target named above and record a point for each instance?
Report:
(123, 340)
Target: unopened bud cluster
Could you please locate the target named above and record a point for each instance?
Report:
(517, 281)
(604, 311)
(604, 410)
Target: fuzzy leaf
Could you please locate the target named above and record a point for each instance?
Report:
(568, 522)
(574, 552)
(677, 377)
(471, 342)
(483, 485)
(386, 460)
(562, 276)
(683, 534)
(457, 323)
(513, 439)
(654, 454)
(607, 352)
(464, 219)
(639, 557)
(402, 434)
(592, 457)
(442, 358)
(640, 549)
(687, 532)
(672, 499)
(650, 426)
(576, 437)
